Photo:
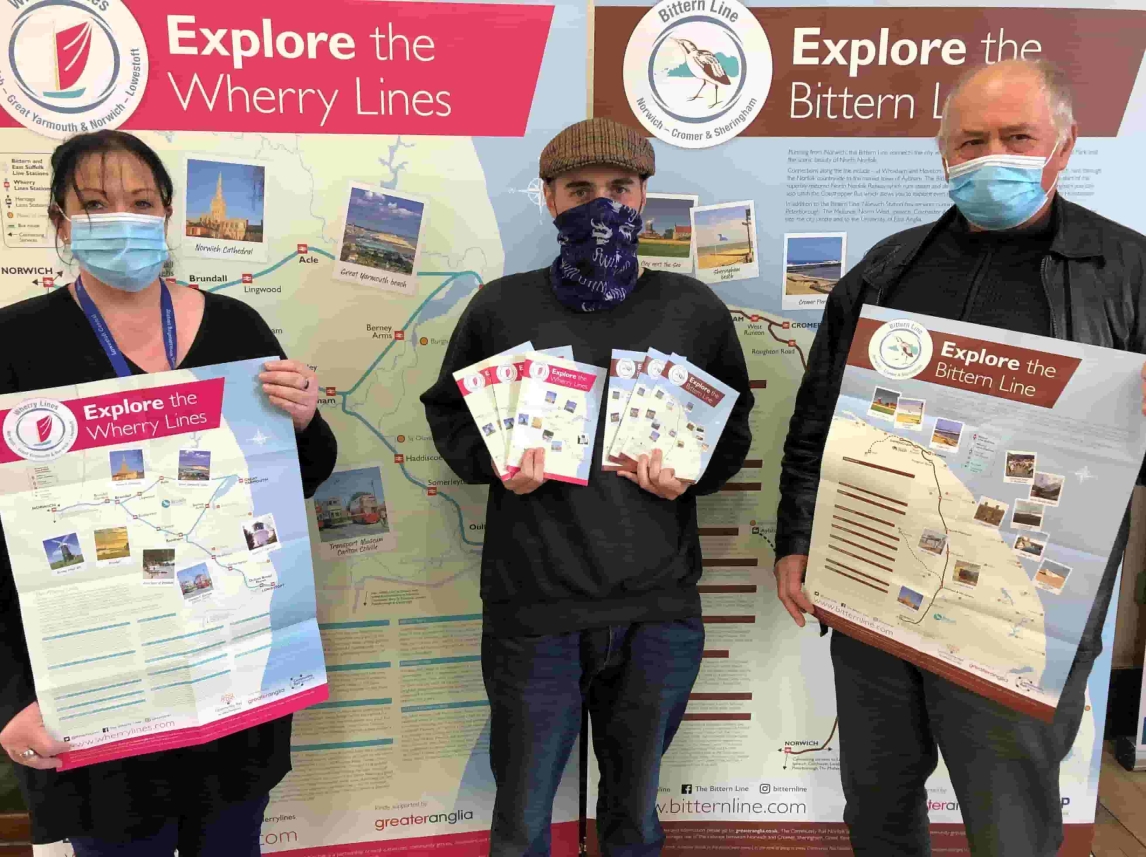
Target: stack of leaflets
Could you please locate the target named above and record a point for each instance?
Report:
(662, 401)
(524, 399)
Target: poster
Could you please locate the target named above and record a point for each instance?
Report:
(828, 148)
(149, 501)
(914, 550)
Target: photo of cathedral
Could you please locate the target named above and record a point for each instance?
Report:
(225, 200)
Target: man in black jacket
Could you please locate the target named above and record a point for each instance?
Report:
(1011, 254)
(589, 592)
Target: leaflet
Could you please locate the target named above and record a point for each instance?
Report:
(624, 368)
(959, 523)
(158, 539)
(476, 383)
(634, 419)
(685, 417)
(509, 371)
(558, 406)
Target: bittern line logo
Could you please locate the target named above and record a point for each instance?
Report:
(900, 349)
(40, 429)
(697, 72)
(678, 375)
(76, 66)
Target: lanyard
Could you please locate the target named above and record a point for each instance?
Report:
(95, 319)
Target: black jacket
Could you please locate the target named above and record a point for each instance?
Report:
(1095, 282)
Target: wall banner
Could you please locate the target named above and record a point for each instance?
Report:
(357, 175)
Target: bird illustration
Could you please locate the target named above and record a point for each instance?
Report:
(706, 66)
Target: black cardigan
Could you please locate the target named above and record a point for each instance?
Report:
(47, 342)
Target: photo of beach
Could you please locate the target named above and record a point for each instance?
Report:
(945, 437)
(813, 264)
(909, 414)
(725, 242)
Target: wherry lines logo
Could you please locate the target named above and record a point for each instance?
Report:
(900, 349)
(697, 72)
(71, 66)
(40, 429)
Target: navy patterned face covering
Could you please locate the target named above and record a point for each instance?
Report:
(597, 268)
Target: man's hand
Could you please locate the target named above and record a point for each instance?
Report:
(532, 473)
(790, 572)
(26, 732)
(655, 478)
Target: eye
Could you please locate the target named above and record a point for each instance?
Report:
(93, 205)
(144, 204)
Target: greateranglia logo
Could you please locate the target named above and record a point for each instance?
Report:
(40, 429)
(900, 349)
(71, 66)
(697, 72)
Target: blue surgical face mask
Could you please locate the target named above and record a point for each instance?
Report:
(999, 191)
(122, 249)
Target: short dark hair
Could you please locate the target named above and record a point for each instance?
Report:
(70, 154)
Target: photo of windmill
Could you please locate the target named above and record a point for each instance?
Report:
(668, 230)
(63, 552)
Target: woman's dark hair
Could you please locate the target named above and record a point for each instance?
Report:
(71, 153)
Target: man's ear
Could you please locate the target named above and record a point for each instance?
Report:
(644, 194)
(550, 190)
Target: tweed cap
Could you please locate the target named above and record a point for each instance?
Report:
(596, 142)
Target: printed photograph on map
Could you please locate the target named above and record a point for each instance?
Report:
(990, 512)
(158, 565)
(195, 582)
(910, 598)
(945, 436)
(1046, 488)
(64, 554)
(112, 545)
(1051, 576)
(351, 513)
(883, 404)
(1028, 547)
(381, 239)
(1028, 515)
(1020, 467)
(909, 414)
(933, 542)
(225, 209)
(194, 465)
(261, 534)
(666, 244)
(725, 237)
(126, 465)
(813, 264)
(966, 573)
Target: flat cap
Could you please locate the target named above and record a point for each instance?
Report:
(596, 142)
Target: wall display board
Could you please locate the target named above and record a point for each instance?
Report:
(357, 175)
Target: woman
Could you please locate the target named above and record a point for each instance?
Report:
(110, 203)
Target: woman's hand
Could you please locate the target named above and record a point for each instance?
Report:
(26, 732)
(292, 386)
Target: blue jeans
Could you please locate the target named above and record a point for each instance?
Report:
(233, 832)
(635, 680)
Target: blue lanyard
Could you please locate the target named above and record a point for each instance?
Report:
(118, 362)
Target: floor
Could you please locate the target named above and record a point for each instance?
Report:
(1120, 823)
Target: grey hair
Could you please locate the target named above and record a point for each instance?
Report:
(1055, 83)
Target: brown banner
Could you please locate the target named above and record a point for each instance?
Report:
(814, 95)
(991, 368)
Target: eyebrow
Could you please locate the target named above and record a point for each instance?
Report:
(102, 192)
(1008, 129)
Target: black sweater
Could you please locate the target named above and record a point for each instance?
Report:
(570, 557)
(47, 342)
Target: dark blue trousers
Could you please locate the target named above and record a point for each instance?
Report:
(635, 679)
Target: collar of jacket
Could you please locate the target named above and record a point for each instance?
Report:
(1074, 238)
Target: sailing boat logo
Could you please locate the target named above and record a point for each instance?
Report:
(78, 67)
(40, 429)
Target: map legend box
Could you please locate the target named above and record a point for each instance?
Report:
(27, 181)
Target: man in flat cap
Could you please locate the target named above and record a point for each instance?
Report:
(589, 593)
